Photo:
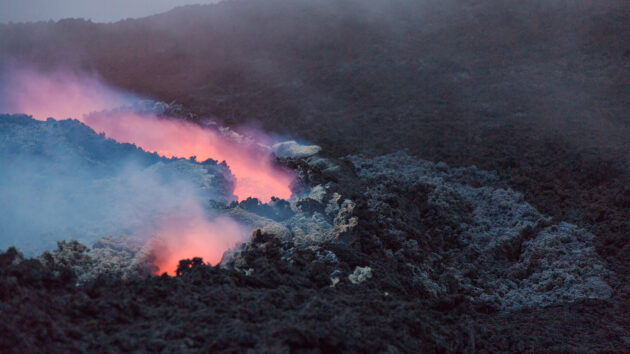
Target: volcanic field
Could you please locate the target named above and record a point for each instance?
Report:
(318, 176)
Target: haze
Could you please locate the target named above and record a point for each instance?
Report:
(97, 11)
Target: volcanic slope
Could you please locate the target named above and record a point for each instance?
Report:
(535, 90)
(398, 254)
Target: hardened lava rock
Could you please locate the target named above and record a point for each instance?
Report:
(460, 228)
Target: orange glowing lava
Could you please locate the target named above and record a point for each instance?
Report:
(195, 237)
(256, 176)
(63, 94)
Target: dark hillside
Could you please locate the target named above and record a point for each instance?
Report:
(535, 90)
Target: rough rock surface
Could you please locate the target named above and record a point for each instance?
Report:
(360, 275)
(490, 243)
(443, 259)
(121, 257)
(294, 150)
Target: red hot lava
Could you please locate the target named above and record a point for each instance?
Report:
(62, 94)
(256, 176)
(196, 237)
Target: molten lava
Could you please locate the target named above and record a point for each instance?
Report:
(256, 176)
(195, 236)
(63, 94)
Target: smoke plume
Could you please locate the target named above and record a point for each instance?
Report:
(63, 94)
(54, 191)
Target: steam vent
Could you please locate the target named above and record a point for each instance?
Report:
(315, 176)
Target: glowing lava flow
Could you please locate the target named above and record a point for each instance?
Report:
(197, 236)
(64, 94)
(255, 174)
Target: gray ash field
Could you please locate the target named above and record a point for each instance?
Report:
(465, 186)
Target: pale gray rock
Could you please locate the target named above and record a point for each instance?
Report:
(291, 149)
(360, 275)
(505, 254)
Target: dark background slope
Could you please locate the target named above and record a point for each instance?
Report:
(537, 90)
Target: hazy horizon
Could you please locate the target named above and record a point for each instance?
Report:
(97, 11)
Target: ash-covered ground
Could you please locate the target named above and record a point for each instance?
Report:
(471, 192)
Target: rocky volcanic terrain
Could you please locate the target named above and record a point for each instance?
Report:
(390, 253)
(471, 193)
